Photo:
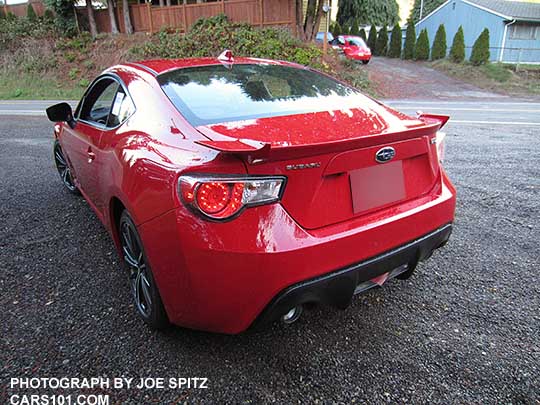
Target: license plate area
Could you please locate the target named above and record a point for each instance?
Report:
(377, 186)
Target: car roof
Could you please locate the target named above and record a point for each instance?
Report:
(159, 66)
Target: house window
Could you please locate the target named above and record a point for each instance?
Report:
(523, 31)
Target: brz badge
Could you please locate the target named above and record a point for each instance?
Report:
(385, 154)
(300, 166)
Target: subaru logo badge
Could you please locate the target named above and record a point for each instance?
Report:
(385, 154)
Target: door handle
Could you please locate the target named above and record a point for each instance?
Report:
(91, 155)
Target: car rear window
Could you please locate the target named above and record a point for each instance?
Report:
(215, 94)
(357, 42)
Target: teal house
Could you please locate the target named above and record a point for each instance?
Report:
(514, 27)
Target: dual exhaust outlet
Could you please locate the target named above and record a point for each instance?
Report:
(292, 315)
(402, 272)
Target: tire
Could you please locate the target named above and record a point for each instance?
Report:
(144, 291)
(365, 62)
(63, 168)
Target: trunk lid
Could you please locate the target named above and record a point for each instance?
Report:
(329, 159)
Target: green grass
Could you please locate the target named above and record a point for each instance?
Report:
(18, 86)
(523, 66)
(502, 78)
(497, 72)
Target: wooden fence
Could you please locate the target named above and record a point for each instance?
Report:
(20, 10)
(148, 18)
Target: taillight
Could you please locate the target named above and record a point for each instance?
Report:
(222, 197)
(440, 146)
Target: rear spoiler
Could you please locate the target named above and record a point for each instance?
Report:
(255, 150)
(443, 119)
(239, 146)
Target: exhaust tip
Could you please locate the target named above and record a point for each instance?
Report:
(293, 315)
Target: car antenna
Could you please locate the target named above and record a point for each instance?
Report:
(226, 58)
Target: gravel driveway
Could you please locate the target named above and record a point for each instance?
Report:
(397, 78)
(464, 329)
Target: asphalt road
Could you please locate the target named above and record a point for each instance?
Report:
(470, 112)
(464, 329)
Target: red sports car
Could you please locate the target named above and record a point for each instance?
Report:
(353, 47)
(240, 191)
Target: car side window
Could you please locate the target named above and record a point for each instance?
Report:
(122, 108)
(98, 102)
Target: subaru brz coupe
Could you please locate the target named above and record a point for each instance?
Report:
(238, 191)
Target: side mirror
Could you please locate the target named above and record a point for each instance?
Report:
(61, 113)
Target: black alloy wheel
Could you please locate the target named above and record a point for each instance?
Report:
(143, 287)
(63, 169)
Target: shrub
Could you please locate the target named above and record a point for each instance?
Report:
(30, 13)
(395, 42)
(354, 28)
(79, 43)
(89, 64)
(480, 50)
(354, 75)
(457, 52)
(84, 82)
(70, 57)
(362, 34)
(64, 16)
(210, 36)
(439, 44)
(73, 73)
(421, 51)
(48, 15)
(410, 41)
(13, 31)
(382, 41)
(332, 27)
(372, 39)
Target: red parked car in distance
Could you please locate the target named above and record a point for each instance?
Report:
(353, 47)
(239, 191)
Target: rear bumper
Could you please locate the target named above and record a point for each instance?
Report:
(222, 276)
(359, 57)
(337, 288)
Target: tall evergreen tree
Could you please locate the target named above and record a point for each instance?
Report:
(368, 11)
(428, 7)
(363, 34)
(457, 52)
(337, 29)
(395, 42)
(372, 39)
(354, 28)
(410, 40)
(30, 13)
(480, 50)
(439, 44)
(382, 42)
(421, 51)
